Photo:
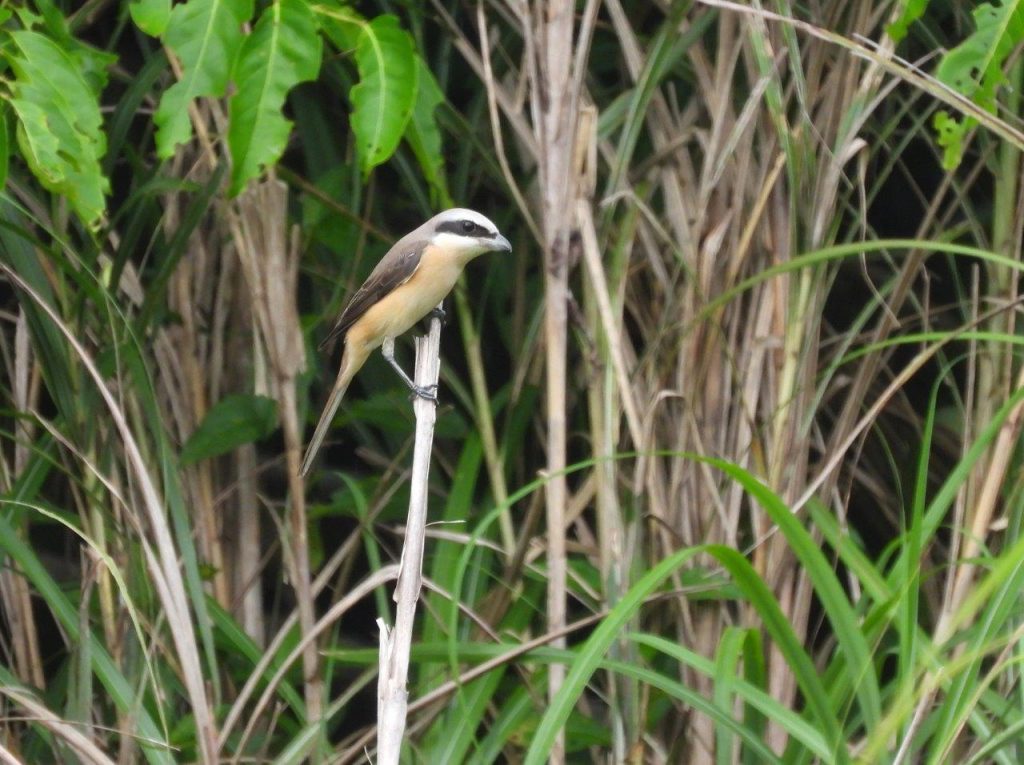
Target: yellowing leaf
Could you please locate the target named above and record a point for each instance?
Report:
(59, 128)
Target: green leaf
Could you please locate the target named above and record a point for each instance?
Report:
(341, 25)
(5, 147)
(151, 16)
(789, 644)
(383, 99)
(755, 698)
(235, 420)
(820, 572)
(59, 127)
(728, 657)
(593, 651)
(974, 69)
(950, 133)
(123, 692)
(911, 11)
(423, 135)
(206, 36)
(27, 17)
(283, 50)
(92, 63)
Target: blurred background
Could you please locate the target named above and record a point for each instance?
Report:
(727, 448)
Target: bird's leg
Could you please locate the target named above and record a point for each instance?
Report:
(388, 351)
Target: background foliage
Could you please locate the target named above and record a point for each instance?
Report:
(727, 458)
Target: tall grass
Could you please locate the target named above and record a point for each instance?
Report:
(726, 466)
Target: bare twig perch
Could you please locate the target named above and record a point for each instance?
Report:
(392, 697)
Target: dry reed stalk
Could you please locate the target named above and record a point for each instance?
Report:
(245, 585)
(336, 611)
(68, 732)
(396, 643)
(184, 362)
(161, 558)
(270, 262)
(554, 101)
(992, 378)
(328, 574)
(15, 593)
(208, 355)
(355, 749)
(738, 383)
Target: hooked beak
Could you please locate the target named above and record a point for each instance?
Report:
(501, 244)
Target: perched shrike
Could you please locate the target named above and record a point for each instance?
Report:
(410, 281)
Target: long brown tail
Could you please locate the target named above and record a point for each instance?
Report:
(351, 361)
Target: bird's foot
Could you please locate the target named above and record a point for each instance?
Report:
(440, 314)
(427, 392)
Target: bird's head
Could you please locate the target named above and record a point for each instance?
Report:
(467, 233)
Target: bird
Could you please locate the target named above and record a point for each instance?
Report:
(408, 283)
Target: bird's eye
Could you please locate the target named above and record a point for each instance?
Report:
(468, 226)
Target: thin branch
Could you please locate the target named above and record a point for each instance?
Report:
(396, 644)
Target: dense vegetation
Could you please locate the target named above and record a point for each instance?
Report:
(727, 454)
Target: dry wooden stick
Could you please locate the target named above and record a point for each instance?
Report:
(270, 264)
(395, 644)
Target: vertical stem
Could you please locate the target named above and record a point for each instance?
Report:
(554, 105)
(300, 548)
(248, 547)
(270, 264)
(556, 494)
(484, 421)
(395, 645)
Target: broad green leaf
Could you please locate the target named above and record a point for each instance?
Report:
(206, 36)
(342, 25)
(910, 12)
(92, 63)
(382, 101)
(974, 69)
(235, 420)
(27, 17)
(283, 50)
(423, 135)
(151, 16)
(59, 127)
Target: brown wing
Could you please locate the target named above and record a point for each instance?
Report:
(394, 269)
